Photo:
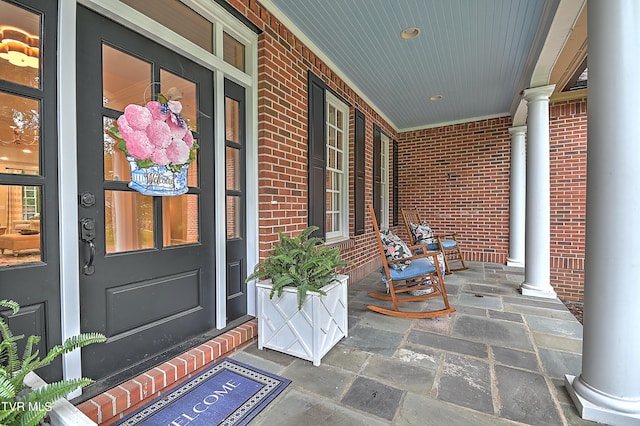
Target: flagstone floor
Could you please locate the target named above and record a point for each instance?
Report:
(500, 359)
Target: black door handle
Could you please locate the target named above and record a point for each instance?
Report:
(88, 234)
(88, 268)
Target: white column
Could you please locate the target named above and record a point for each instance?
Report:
(517, 200)
(608, 389)
(537, 274)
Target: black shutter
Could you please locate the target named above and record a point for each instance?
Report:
(317, 149)
(377, 172)
(359, 166)
(395, 194)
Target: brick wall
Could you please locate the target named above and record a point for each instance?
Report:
(457, 176)
(568, 153)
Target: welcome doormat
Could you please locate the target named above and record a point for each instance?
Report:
(229, 393)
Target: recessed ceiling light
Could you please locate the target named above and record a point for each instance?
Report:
(26, 151)
(4, 158)
(436, 97)
(410, 32)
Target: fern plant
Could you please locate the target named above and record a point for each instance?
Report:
(19, 404)
(300, 261)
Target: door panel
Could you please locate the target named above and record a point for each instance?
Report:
(153, 276)
(235, 148)
(29, 244)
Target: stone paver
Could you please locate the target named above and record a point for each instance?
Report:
(502, 333)
(466, 381)
(515, 358)
(373, 340)
(525, 397)
(447, 343)
(558, 363)
(374, 398)
(324, 380)
(489, 289)
(346, 357)
(507, 316)
(419, 355)
(480, 301)
(559, 327)
(561, 343)
(406, 375)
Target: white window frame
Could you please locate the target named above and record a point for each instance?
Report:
(342, 233)
(384, 180)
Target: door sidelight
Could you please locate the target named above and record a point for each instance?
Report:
(88, 235)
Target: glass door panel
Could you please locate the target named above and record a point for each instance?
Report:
(180, 89)
(128, 221)
(19, 134)
(234, 168)
(116, 166)
(125, 79)
(19, 45)
(180, 220)
(20, 241)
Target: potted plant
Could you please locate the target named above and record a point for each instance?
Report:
(20, 403)
(302, 300)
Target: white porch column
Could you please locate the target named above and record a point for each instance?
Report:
(608, 389)
(517, 200)
(537, 274)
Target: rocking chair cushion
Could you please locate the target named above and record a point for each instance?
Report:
(448, 244)
(422, 234)
(395, 248)
(418, 267)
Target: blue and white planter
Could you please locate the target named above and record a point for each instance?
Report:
(158, 180)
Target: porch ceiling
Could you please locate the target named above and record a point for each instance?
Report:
(477, 54)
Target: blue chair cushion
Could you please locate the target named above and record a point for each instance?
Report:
(416, 268)
(448, 244)
(433, 246)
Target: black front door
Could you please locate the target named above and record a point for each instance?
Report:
(147, 262)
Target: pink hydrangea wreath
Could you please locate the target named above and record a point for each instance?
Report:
(155, 134)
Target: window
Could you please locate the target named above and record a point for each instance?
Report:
(381, 176)
(384, 181)
(233, 52)
(337, 169)
(178, 17)
(30, 202)
(328, 171)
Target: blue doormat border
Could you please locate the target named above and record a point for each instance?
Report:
(260, 388)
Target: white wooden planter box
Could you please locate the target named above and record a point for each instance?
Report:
(308, 333)
(63, 412)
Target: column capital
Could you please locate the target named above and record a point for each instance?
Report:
(538, 93)
(517, 130)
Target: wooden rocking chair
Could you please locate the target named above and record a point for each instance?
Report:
(420, 279)
(446, 243)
